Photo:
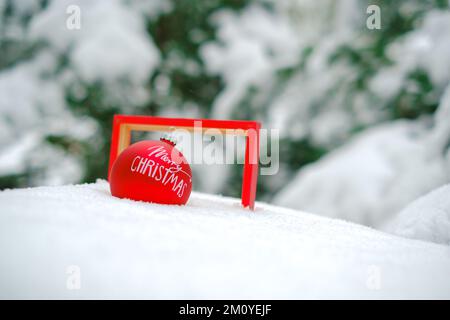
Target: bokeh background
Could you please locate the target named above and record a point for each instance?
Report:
(363, 114)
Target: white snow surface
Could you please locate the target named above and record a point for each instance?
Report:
(111, 48)
(427, 218)
(210, 248)
(378, 172)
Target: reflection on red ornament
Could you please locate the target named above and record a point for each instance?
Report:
(152, 171)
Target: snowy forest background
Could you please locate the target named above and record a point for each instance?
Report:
(364, 115)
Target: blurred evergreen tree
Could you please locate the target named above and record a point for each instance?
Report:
(417, 96)
(181, 79)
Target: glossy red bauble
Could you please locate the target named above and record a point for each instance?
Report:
(152, 171)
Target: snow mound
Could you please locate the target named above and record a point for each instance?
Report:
(369, 179)
(210, 248)
(427, 218)
(378, 172)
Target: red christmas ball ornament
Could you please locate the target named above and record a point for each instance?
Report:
(152, 171)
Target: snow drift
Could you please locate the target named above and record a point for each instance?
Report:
(378, 172)
(211, 248)
(369, 179)
(427, 218)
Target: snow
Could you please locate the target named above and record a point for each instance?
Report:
(112, 48)
(358, 181)
(33, 108)
(427, 218)
(251, 46)
(319, 101)
(378, 172)
(248, 55)
(109, 52)
(426, 48)
(9, 164)
(211, 248)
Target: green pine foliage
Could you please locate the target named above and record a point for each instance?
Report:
(179, 34)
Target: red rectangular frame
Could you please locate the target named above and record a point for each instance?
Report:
(123, 125)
